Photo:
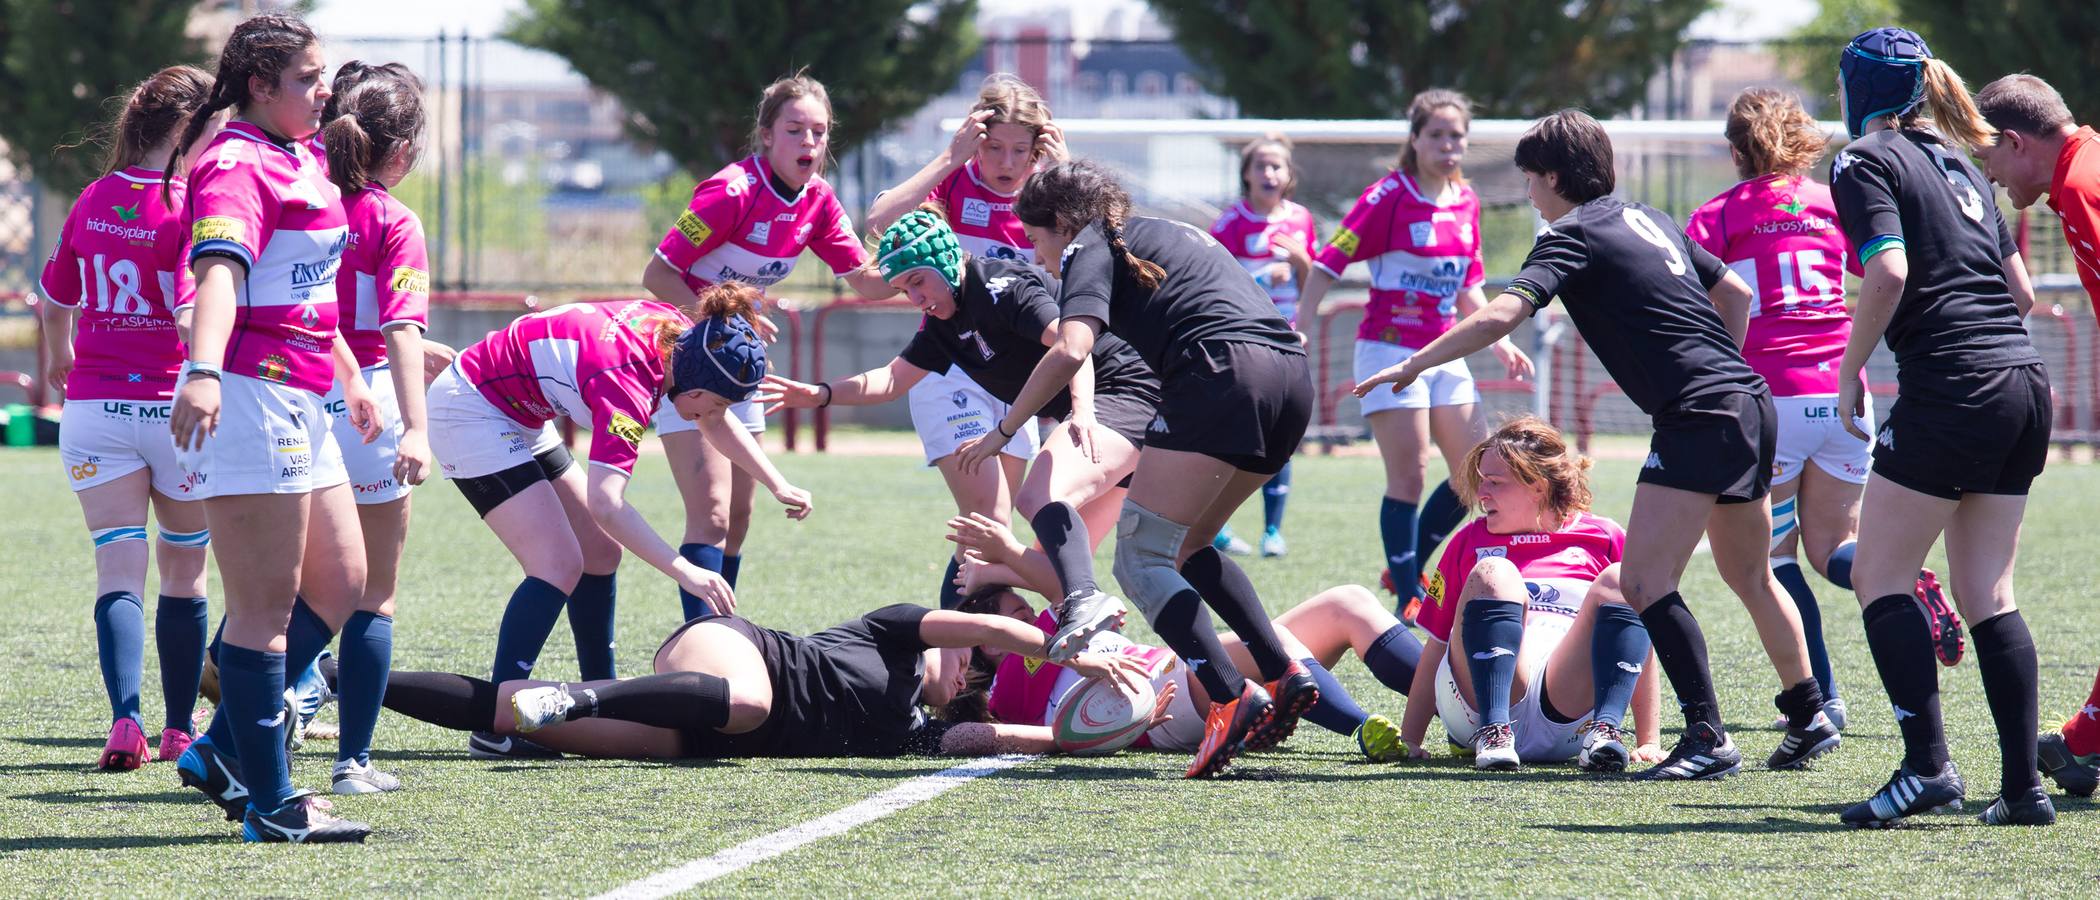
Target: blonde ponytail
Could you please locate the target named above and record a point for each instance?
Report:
(1952, 113)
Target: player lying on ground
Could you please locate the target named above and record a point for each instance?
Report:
(1026, 689)
(727, 688)
(990, 321)
(1539, 667)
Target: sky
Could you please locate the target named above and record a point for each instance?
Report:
(1738, 19)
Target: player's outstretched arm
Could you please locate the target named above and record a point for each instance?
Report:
(874, 386)
(1491, 323)
(743, 452)
(605, 492)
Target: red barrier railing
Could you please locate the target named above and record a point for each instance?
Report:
(484, 298)
(37, 392)
(822, 418)
(791, 335)
(2065, 428)
(1330, 399)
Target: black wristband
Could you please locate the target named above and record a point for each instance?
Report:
(1000, 426)
(826, 388)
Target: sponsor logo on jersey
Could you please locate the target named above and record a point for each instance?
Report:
(984, 349)
(1436, 586)
(309, 317)
(997, 286)
(1530, 539)
(1344, 241)
(695, 231)
(1843, 161)
(1422, 233)
(625, 428)
(1480, 553)
(409, 280)
(126, 213)
(976, 212)
(126, 232)
(761, 232)
(960, 399)
(1529, 293)
(1001, 251)
(219, 228)
(1032, 663)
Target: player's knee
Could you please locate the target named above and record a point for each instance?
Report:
(748, 709)
(1146, 545)
(1494, 576)
(561, 566)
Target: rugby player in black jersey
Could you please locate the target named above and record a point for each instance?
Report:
(1945, 286)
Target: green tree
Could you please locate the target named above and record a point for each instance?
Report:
(1810, 54)
(1367, 58)
(2056, 40)
(690, 72)
(63, 63)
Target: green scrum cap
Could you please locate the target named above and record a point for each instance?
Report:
(920, 240)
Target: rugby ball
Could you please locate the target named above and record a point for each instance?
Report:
(1098, 718)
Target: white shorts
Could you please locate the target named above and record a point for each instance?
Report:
(371, 466)
(950, 409)
(1450, 384)
(1812, 429)
(471, 437)
(101, 441)
(1539, 737)
(272, 439)
(667, 421)
(1185, 731)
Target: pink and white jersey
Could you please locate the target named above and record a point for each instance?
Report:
(268, 205)
(315, 146)
(1248, 235)
(1422, 257)
(596, 363)
(983, 219)
(1781, 235)
(739, 228)
(1577, 552)
(119, 261)
(385, 279)
(1026, 689)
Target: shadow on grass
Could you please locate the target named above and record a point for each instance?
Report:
(93, 797)
(1766, 826)
(81, 768)
(110, 842)
(1816, 809)
(83, 742)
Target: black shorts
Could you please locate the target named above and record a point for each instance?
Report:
(1243, 403)
(1127, 413)
(1719, 444)
(1985, 432)
(486, 492)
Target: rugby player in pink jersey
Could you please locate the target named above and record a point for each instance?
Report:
(1274, 239)
(117, 286)
(1005, 137)
(383, 296)
(1418, 228)
(609, 367)
(1527, 664)
(267, 235)
(1777, 229)
(749, 223)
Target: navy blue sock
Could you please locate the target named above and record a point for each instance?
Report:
(730, 566)
(1396, 527)
(361, 671)
(1839, 567)
(527, 621)
(1441, 515)
(305, 636)
(1183, 622)
(1274, 495)
(1618, 650)
(706, 556)
(1392, 658)
(1493, 630)
(1336, 711)
(951, 593)
(218, 636)
(251, 686)
(1795, 581)
(591, 621)
(179, 627)
(120, 642)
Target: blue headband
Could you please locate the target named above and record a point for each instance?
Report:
(721, 355)
(1883, 74)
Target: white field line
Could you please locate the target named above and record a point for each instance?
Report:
(764, 847)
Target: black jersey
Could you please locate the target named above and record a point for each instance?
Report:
(996, 335)
(849, 690)
(1636, 288)
(1907, 189)
(1205, 295)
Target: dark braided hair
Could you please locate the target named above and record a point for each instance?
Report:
(376, 112)
(259, 48)
(1071, 195)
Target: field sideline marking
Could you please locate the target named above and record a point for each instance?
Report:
(764, 847)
